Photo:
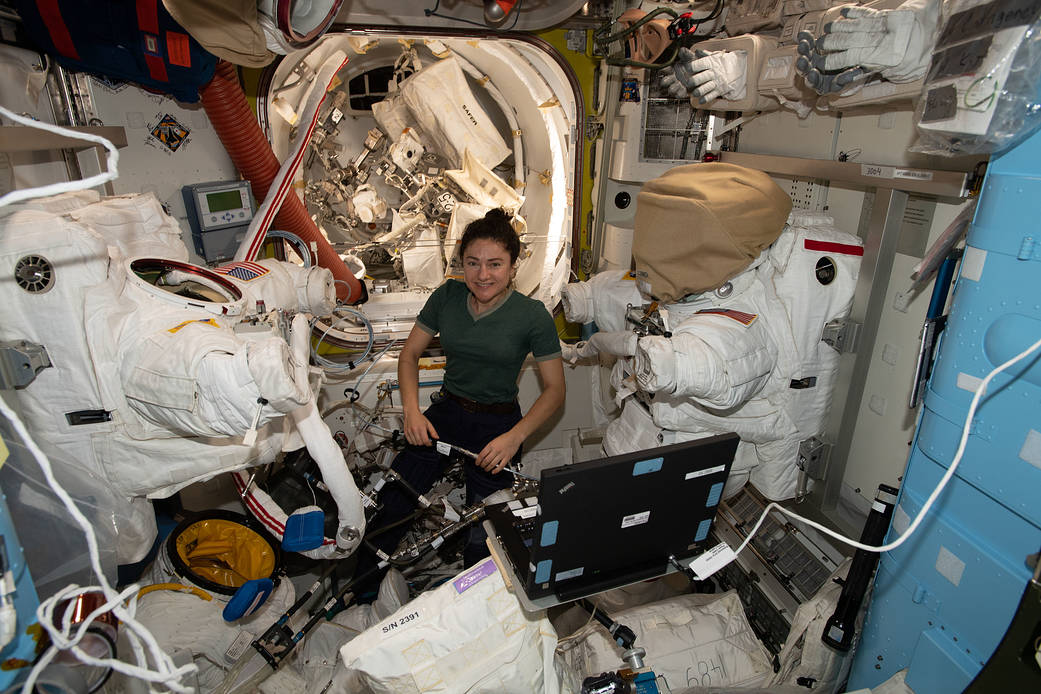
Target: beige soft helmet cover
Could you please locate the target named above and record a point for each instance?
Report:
(699, 225)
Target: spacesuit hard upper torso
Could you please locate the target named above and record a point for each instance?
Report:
(745, 358)
(150, 390)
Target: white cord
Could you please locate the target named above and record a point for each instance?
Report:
(357, 384)
(330, 365)
(166, 671)
(64, 186)
(932, 497)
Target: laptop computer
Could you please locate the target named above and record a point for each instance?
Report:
(605, 523)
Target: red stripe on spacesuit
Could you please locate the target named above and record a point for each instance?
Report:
(148, 23)
(829, 247)
(262, 514)
(739, 316)
(50, 13)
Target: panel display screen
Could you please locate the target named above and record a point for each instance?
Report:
(224, 200)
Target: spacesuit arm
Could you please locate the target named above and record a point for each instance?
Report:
(602, 299)
(717, 364)
(325, 451)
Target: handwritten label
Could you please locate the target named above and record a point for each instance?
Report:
(707, 673)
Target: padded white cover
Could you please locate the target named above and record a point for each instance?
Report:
(185, 625)
(691, 640)
(439, 99)
(469, 635)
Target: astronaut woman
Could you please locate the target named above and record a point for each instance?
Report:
(486, 331)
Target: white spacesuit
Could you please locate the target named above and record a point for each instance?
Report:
(743, 300)
(156, 378)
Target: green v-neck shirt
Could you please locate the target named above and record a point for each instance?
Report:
(484, 353)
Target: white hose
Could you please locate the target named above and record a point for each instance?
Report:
(62, 637)
(110, 174)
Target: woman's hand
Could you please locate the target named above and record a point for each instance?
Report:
(499, 452)
(418, 429)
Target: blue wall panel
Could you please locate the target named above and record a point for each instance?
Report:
(943, 600)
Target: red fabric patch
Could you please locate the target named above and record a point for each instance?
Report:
(178, 51)
(148, 16)
(828, 247)
(156, 68)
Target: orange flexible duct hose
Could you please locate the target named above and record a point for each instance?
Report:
(239, 131)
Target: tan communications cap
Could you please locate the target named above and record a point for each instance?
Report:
(699, 225)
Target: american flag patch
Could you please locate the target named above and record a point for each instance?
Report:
(245, 270)
(740, 316)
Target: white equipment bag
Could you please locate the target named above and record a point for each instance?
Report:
(439, 100)
(469, 635)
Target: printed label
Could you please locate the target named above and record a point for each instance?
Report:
(913, 175)
(474, 576)
(411, 618)
(443, 448)
(572, 573)
(526, 512)
(703, 473)
(238, 646)
(712, 561)
(636, 519)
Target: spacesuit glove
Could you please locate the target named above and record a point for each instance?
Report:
(654, 364)
(678, 79)
(810, 64)
(707, 75)
(895, 43)
(719, 74)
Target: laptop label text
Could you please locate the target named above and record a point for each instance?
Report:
(707, 471)
(636, 519)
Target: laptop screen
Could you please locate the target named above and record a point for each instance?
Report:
(605, 523)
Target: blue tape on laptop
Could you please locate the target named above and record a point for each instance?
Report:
(606, 523)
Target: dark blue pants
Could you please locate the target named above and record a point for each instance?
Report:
(422, 466)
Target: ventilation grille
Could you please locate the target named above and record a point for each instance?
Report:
(34, 274)
(778, 542)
